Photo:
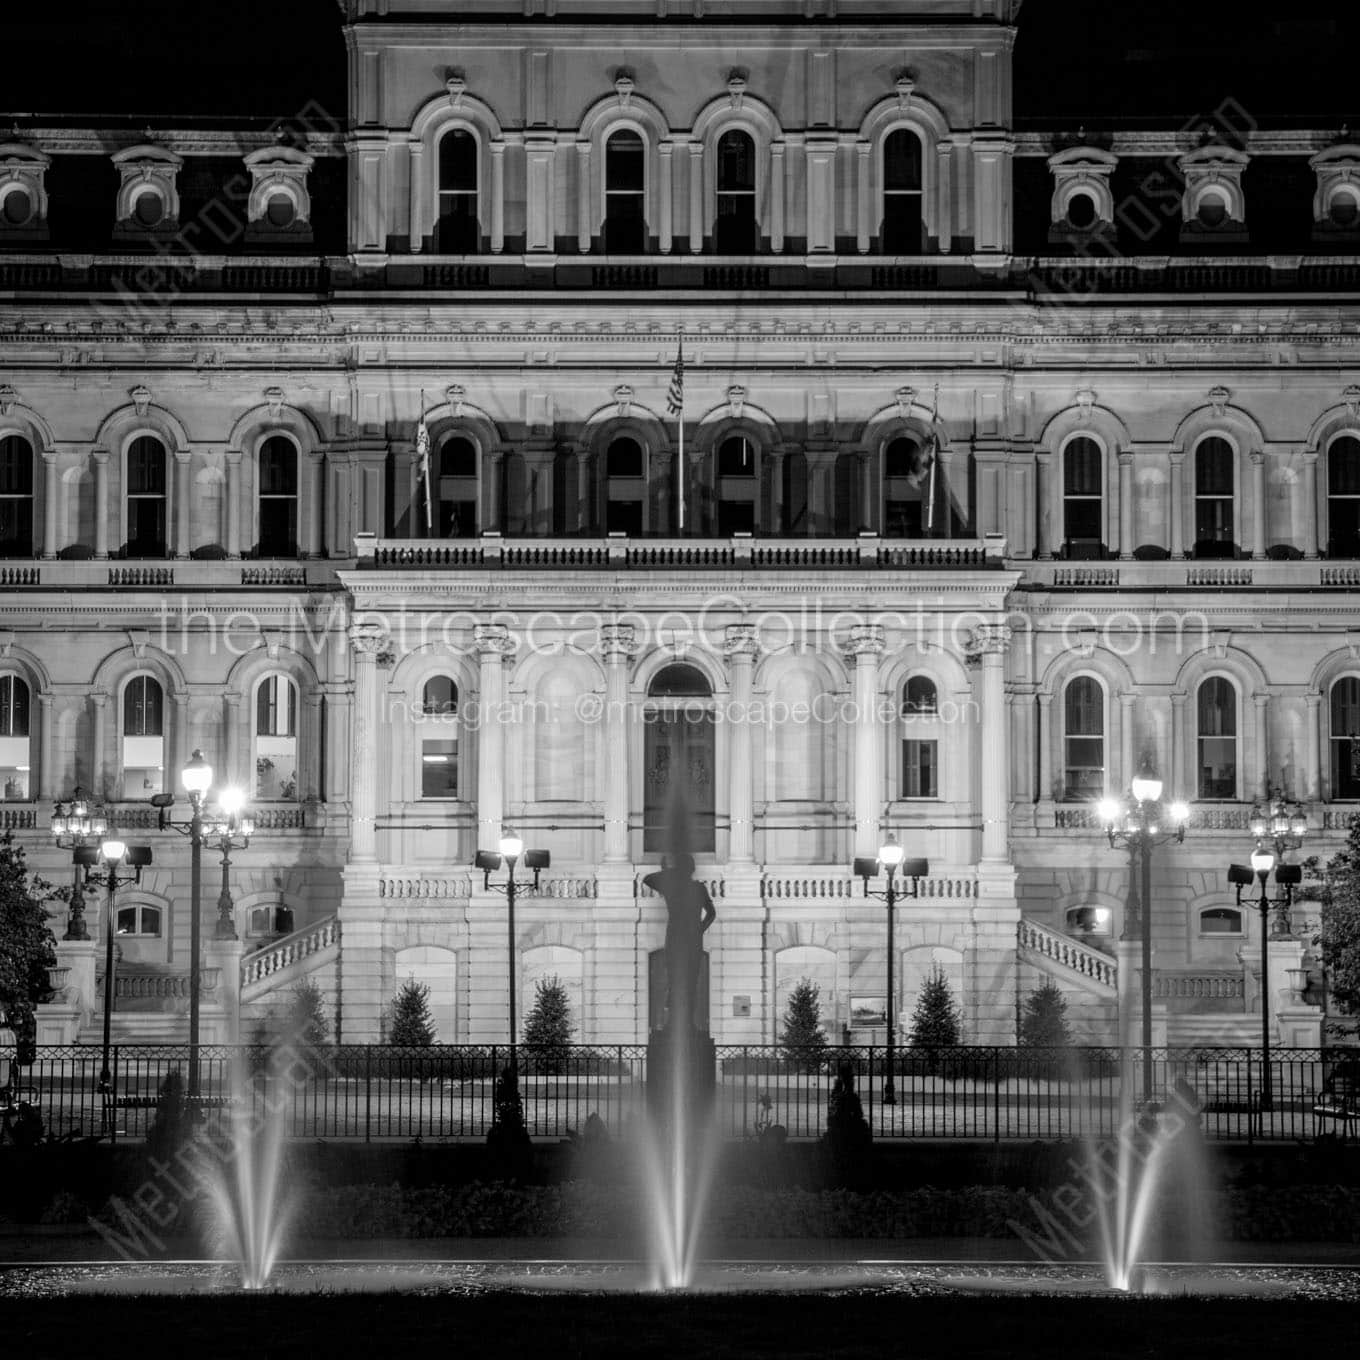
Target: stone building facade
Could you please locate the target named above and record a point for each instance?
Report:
(1007, 460)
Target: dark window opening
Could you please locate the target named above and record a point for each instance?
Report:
(1083, 499)
(625, 223)
(16, 497)
(1214, 498)
(1345, 737)
(736, 231)
(457, 490)
(906, 479)
(1343, 497)
(458, 230)
(146, 504)
(1083, 739)
(278, 496)
(903, 228)
(1216, 704)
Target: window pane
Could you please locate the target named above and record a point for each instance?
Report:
(623, 167)
(146, 467)
(16, 466)
(278, 468)
(1218, 767)
(441, 695)
(1343, 467)
(13, 707)
(458, 162)
(1217, 708)
(902, 161)
(679, 681)
(736, 162)
(1214, 467)
(439, 767)
(1082, 468)
(1081, 521)
(919, 697)
(624, 459)
(1220, 921)
(1084, 715)
(918, 769)
(143, 708)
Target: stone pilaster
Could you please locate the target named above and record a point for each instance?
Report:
(494, 646)
(617, 645)
(866, 646)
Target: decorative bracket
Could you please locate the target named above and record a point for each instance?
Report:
(8, 399)
(141, 399)
(623, 394)
(274, 396)
(1219, 398)
(1086, 399)
(624, 86)
(736, 87)
(454, 395)
(736, 400)
(905, 87)
(1351, 396)
(456, 85)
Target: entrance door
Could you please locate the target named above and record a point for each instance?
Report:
(679, 755)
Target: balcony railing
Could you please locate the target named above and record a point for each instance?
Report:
(1300, 574)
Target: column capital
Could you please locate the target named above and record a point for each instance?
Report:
(1176, 457)
(665, 147)
(232, 457)
(1257, 457)
(866, 640)
(990, 639)
(618, 641)
(492, 639)
(367, 639)
(1261, 698)
(1313, 700)
(739, 641)
(696, 149)
(99, 697)
(1308, 457)
(49, 456)
(182, 456)
(100, 457)
(1179, 697)
(1127, 700)
(232, 697)
(1125, 457)
(1045, 699)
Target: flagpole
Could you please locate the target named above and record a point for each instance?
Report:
(423, 452)
(934, 459)
(681, 471)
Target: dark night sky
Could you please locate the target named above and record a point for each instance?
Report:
(1092, 61)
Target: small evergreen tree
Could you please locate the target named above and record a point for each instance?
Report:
(1043, 1023)
(27, 946)
(936, 1022)
(412, 1024)
(306, 1026)
(175, 1122)
(1339, 924)
(803, 1034)
(548, 1028)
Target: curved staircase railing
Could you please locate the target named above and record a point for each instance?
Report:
(1069, 953)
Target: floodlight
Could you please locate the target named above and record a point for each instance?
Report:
(1240, 875)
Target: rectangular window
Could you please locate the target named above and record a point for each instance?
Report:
(920, 767)
(439, 767)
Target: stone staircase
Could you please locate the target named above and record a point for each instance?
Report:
(278, 966)
(1088, 978)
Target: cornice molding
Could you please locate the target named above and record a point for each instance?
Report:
(1181, 142)
(95, 141)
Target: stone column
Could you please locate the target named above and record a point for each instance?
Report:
(1043, 490)
(1175, 516)
(494, 645)
(665, 195)
(179, 743)
(415, 232)
(740, 645)
(1258, 506)
(47, 760)
(494, 479)
(315, 465)
(1261, 737)
(1312, 791)
(1309, 460)
(1045, 746)
(945, 523)
(866, 646)
(539, 455)
(183, 498)
(309, 767)
(863, 225)
(225, 956)
(367, 640)
(232, 491)
(1125, 505)
(944, 160)
(992, 641)
(777, 197)
(98, 736)
(1125, 773)
(51, 484)
(821, 487)
(497, 197)
(583, 232)
(101, 502)
(617, 645)
(1182, 756)
(696, 197)
(235, 764)
(777, 456)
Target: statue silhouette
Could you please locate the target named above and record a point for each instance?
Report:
(689, 913)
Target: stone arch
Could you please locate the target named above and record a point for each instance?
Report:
(434, 118)
(758, 120)
(927, 121)
(436, 966)
(538, 962)
(917, 963)
(821, 966)
(600, 121)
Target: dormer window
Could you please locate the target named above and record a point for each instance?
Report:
(23, 194)
(1336, 201)
(1213, 205)
(279, 208)
(1083, 204)
(148, 195)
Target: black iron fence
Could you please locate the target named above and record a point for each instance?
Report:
(371, 1092)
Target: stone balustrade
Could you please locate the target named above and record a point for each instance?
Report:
(284, 953)
(1069, 953)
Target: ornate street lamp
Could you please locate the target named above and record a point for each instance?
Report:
(508, 853)
(1285, 825)
(892, 859)
(1142, 823)
(76, 823)
(223, 826)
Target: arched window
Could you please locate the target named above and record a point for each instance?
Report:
(278, 493)
(439, 738)
(15, 750)
(678, 756)
(625, 487)
(1216, 710)
(1343, 497)
(903, 229)
(736, 232)
(143, 738)
(457, 488)
(1083, 499)
(1214, 498)
(1083, 739)
(737, 486)
(1345, 730)
(625, 221)
(146, 509)
(1087, 922)
(920, 747)
(271, 919)
(139, 919)
(16, 497)
(906, 484)
(1220, 921)
(457, 232)
(276, 749)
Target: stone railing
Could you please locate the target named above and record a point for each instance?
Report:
(1068, 953)
(18, 818)
(1172, 572)
(717, 887)
(129, 986)
(284, 953)
(775, 887)
(1199, 986)
(618, 551)
(1080, 817)
(430, 887)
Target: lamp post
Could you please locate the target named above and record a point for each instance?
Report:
(1279, 827)
(891, 858)
(220, 826)
(77, 824)
(111, 852)
(1141, 823)
(508, 853)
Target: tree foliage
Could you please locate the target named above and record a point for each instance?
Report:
(412, 1024)
(803, 1018)
(936, 1022)
(1043, 1022)
(27, 946)
(306, 1024)
(548, 1026)
(1338, 936)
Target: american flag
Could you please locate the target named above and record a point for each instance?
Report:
(675, 393)
(423, 463)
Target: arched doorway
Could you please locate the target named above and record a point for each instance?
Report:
(678, 758)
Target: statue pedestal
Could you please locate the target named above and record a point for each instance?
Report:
(696, 1082)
